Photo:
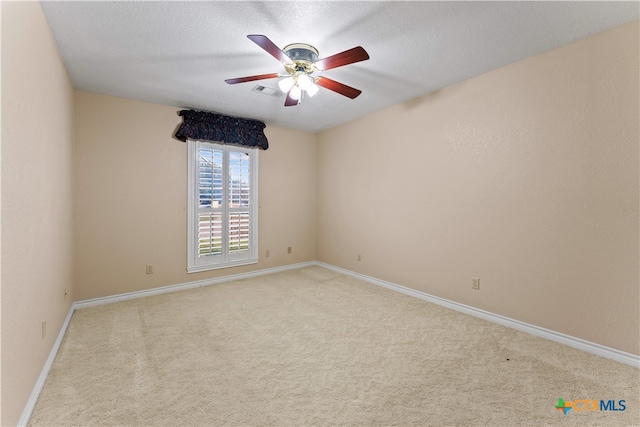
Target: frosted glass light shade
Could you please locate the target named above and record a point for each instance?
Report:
(304, 81)
(312, 89)
(295, 92)
(286, 84)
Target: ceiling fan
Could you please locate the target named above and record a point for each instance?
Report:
(300, 61)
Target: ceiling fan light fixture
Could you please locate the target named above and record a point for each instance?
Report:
(286, 84)
(304, 81)
(312, 89)
(295, 92)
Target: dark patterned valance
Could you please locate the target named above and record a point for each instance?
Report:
(218, 128)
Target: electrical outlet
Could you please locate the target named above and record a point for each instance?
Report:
(289, 250)
(475, 283)
(267, 253)
(149, 269)
(44, 329)
(359, 257)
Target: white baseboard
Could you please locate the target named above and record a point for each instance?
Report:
(37, 388)
(187, 285)
(589, 347)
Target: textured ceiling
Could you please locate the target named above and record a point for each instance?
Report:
(180, 53)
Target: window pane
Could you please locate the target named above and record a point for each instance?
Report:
(222, 209)
(239, 188)
(238, 232)
(209, 234)
(210, 177)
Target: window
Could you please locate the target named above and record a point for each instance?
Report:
(223, 215)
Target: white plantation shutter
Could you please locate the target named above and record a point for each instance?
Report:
(239, 195)
(222, 206)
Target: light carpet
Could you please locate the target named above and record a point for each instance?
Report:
(315, 347)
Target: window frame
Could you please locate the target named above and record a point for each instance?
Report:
(226, 259)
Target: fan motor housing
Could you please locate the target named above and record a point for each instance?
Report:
(303, 55)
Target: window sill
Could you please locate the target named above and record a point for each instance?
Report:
(207, 267)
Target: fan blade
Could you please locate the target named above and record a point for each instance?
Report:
(271, 48)
(347, 57)
(252, 78)
(338, 87)
(290, 102)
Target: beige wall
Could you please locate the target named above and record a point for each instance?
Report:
(37, 111)
(526, 177)
(131, 195)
